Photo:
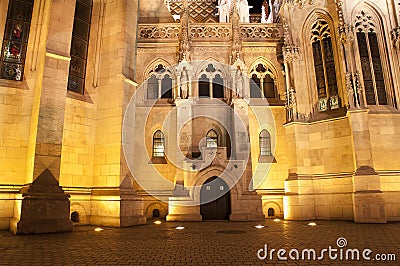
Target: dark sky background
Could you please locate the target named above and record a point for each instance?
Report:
(256, 6)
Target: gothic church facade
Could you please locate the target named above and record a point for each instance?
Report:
(114, 112)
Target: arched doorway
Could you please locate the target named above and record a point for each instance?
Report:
(215, 200)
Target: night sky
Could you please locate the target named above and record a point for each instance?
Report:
(256, 6)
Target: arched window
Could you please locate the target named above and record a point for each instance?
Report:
(324, 65)
(79, 46)
(160, 83)
(218, 87)
(15, 40)
(211, 82)
(158, 144)
(212, 139)
(204, 86)
(166, 87)
(371, 64)
(152, 87)
(265, 143)
(262, 83)
(271, 212)
(75, 217)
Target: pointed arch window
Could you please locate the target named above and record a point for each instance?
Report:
(160, 83)
(212, 139)
(15, 40)
(166, 87)
(370, 56)
(211, 82)
(158, 145)
(79, 45)
(324, 66)
(265, 143)
(262, 83)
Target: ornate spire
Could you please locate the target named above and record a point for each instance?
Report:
(184, 47)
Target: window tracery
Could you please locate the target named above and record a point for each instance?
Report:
(324, 66)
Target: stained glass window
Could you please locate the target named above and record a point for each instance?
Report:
(15, 39)
(79, 46)
(158, 144)
(370, 57)
(324, 66)
(265, 143)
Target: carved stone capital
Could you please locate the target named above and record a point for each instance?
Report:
(396, 38)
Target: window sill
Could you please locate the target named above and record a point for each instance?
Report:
(13, 84)
(158, 160)
(267, 159)
(79, 97)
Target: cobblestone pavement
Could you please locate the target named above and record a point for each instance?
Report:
(205, 243)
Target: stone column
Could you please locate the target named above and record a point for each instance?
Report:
(249, 206)
(368, 200)
(43, 207)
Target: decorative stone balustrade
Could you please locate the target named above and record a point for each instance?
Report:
(158, 31)
(257, 32)
(210, 31)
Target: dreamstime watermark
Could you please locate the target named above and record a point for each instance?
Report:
(340, 252)
(183, 115)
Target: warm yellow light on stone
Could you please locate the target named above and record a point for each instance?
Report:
(259, 226)
(98, 229)
(157, 222)
(312, 224)
(277, 220)
(179, 227)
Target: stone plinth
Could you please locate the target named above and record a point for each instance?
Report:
(183, 209)
(44, 208)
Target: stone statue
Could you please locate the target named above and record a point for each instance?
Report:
(244, 11)
(239, 82)
(265, 11)
(224, 10)
(184, 84)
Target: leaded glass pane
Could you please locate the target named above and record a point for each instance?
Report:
(158, 144)
(265, 143)
(212, 139)
(366, 68)
(376, 62)
(319, 68)
(15, 40)
(330, 67)
(79, 46)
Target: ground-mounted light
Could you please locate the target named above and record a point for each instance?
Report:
(312, 224)
(157, 222)
(98, 229)
(179, 227)
(277, 220)
(259, 226)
